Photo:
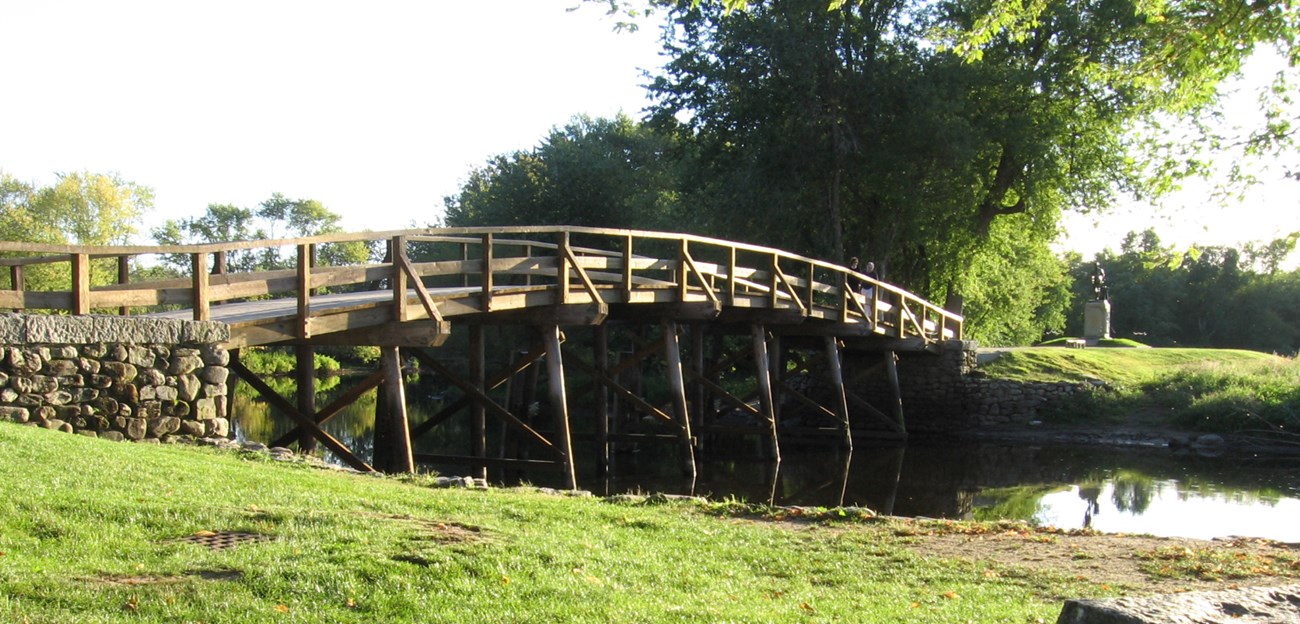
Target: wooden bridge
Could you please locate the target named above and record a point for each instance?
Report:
(743, 310)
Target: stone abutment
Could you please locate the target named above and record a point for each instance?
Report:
(119, 378)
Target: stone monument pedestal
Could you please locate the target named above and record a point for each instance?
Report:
(1096, 321)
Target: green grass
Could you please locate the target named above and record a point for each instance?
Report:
(88, 532)
(1219, 390)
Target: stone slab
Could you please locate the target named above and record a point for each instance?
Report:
(25, 329)
(1246, 605)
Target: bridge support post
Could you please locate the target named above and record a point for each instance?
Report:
(600, 346)
(700, 401)
(896, 394)
(478, 413)
(392, 432)
(559, 401)
(305, 377)
(677, 384)
(762, 373)
(837, 389)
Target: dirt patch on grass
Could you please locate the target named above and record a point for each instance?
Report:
(1140, 564)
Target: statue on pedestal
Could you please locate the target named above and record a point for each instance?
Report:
(1096, 313)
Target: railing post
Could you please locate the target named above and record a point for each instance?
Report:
(486, 297)
(304, 290)
(627, 268)
(18, 279)
(124, 277)
(202, 308)
(774, 284)
(682, 252)
(731, 276)
(562, 267)
(397, 247)
(80, 284)
(812, 279)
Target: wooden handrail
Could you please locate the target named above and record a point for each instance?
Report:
(614, 268)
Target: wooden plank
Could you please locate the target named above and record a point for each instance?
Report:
(534, 353)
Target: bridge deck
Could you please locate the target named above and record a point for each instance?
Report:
(516, 274)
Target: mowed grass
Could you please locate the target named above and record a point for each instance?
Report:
(1213, 390)
(89, 530)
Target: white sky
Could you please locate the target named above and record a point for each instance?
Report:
(377, 109)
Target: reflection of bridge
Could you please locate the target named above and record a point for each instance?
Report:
(434, 282)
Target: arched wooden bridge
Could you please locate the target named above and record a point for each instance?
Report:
(435, 284)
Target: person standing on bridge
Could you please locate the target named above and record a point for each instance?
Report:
(869, 288)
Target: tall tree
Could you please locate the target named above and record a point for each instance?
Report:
(594, 172)
(274, 218)
(81, 208)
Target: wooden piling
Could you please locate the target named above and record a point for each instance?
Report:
(559, 402)
(763, 375)
(392, 429)
(836, 373)
(677, 386)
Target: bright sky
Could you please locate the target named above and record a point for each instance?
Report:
(378, 110)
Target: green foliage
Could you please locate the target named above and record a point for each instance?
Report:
(1206, 297)
(1200, 389)
(593, 172)
(277, 217)
(79, 208)
(282, 361)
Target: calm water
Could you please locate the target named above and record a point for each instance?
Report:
(1110, 489)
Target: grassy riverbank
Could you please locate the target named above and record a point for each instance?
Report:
(1200, 390)
(89, 532)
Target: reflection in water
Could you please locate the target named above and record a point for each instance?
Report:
(1148, 490)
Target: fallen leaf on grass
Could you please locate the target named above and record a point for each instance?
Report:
(952, 595)
(807, 607)
(205, 533)
(282, 608)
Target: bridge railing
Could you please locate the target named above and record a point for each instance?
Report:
(478, 265)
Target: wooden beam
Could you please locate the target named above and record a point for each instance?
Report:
(304, 291)
(896, 396)
(763, 375)
(271, 396)
(397, 277)
(199, 279)
(559, 402)
(534, 354)
(492, 406)
(335, 408)
(80, 284)
(305, 390)
(600, 356)
(124, 278)
(836, 373)
(392, 428)
(478, 413)
(677, 386)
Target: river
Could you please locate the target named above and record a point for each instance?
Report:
(1153, 491)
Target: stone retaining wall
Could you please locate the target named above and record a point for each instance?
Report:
(115, 377)
(944, 392)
